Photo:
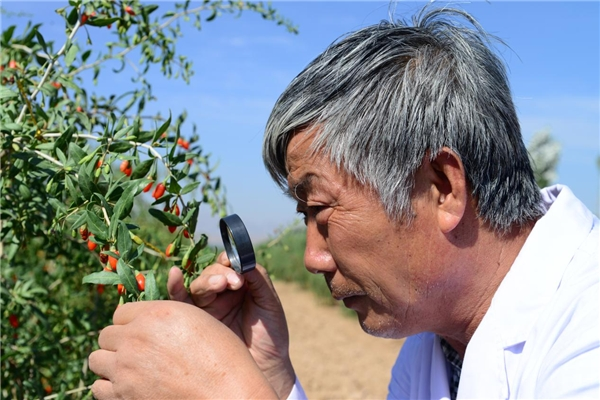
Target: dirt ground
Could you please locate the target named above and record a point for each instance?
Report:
(332, 356)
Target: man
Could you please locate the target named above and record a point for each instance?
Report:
(403, 151)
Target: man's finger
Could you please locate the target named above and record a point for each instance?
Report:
(127, 312)
(261, 287)
(176, 288)
(206, 287)
(103, 363)
(223, 259)
(103, 389)
(109, 338)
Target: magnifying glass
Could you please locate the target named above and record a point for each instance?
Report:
(237, 244)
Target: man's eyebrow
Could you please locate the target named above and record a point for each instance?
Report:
(301, 188)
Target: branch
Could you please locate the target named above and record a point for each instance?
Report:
(151, 149)
(72, 391)
(47, 73)
(143, 39)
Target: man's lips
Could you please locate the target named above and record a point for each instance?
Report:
(342, 296)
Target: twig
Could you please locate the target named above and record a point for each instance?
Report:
(151, 149)
(106, 216)
(47, 73)
(72, 391)
(143, 39)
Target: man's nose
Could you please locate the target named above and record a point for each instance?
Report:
(317, 257)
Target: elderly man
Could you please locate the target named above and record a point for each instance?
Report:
(402, 149)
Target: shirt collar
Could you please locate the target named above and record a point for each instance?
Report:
(540, 265)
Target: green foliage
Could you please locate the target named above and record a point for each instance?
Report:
(544, 153)
(75, 160)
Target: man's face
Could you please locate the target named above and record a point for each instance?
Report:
(384, 270)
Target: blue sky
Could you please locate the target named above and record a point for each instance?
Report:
(243, 64)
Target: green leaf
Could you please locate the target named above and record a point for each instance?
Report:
(144, 136)
(102, 278)
(73, 16)
(105, 204)
(57, 205)
(197, 247)
(125, 203)
(85, 121)
(76, 153)
(71, 54)
(150, 8)
(63, 141)
(119, 147)
(127, 276)
(123, 238)
(75, 194)
(174, 186)
(189, 188)
(142, 169)
(205, 259)
(163, 128)
(101, 21)
(80, 220)
(151, 288)
(41, 40)
(13, 126)
(166, 218)
(85, 183)
(6, 93)
(96, 226)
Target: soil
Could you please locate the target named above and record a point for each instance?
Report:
(332, 356)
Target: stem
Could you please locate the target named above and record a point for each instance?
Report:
(143, 39)
(105, 213)
(47, 73)
(72, 391)
(151, 149)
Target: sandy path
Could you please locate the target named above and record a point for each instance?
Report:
(332, 356)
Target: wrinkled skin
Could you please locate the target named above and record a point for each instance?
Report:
(171, 350)
(249, 306)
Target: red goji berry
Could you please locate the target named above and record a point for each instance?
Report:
(14, 321)
(84, 232)
(148, 187)
(129, 10)
(56, 85)
(159, 190)
(91, 245)
(12, 64)
(141, 281)
(172, 228)
(121, 289)
(100, 289)
(113, 261)
(125, 168)
(186, 234)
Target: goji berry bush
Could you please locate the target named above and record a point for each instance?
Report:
(99, 199)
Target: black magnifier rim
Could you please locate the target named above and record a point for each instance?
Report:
(243, 259)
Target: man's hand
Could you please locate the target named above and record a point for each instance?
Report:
(249, 306)
(171, 350)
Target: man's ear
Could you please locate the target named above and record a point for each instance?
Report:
(449, 188)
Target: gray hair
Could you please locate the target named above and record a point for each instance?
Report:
(385, 96)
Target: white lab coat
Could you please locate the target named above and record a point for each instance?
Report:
(540, 336)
